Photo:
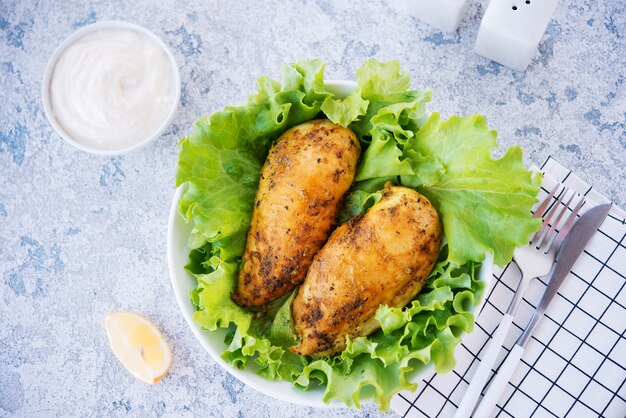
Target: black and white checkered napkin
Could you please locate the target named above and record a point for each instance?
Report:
(575, 363)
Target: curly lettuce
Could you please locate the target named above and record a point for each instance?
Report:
(484, 205)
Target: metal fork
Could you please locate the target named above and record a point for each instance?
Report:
(533, 261)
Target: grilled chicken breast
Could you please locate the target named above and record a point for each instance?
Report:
(307, 172)
(382, 257)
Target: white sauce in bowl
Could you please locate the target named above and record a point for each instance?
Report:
(112, 89)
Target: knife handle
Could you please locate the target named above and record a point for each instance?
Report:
(482, 372)
(500, 382)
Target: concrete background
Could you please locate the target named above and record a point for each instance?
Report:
(83, 235)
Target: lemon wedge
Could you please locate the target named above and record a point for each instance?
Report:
(138, 345)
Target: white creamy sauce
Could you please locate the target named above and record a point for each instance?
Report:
(112, 89)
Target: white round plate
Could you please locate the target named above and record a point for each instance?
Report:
(183, 283)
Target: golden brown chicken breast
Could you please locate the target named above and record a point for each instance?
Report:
(380, 258)
(307, 172)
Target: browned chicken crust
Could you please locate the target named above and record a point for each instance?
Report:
(307, 172)
(380, 258)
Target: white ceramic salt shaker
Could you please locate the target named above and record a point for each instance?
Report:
(442, 14)
(511, 30)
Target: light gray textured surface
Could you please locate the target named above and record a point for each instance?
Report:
(82, 235)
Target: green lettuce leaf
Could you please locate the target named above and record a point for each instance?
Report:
(282, 332)
(345, 111)
(213, 297)
(484, 202)
(386, 89)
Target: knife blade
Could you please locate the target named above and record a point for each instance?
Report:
(571, 248)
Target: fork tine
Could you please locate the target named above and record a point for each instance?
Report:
(539, 238)
(551, 235)
(544, 205)
(567, 226)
